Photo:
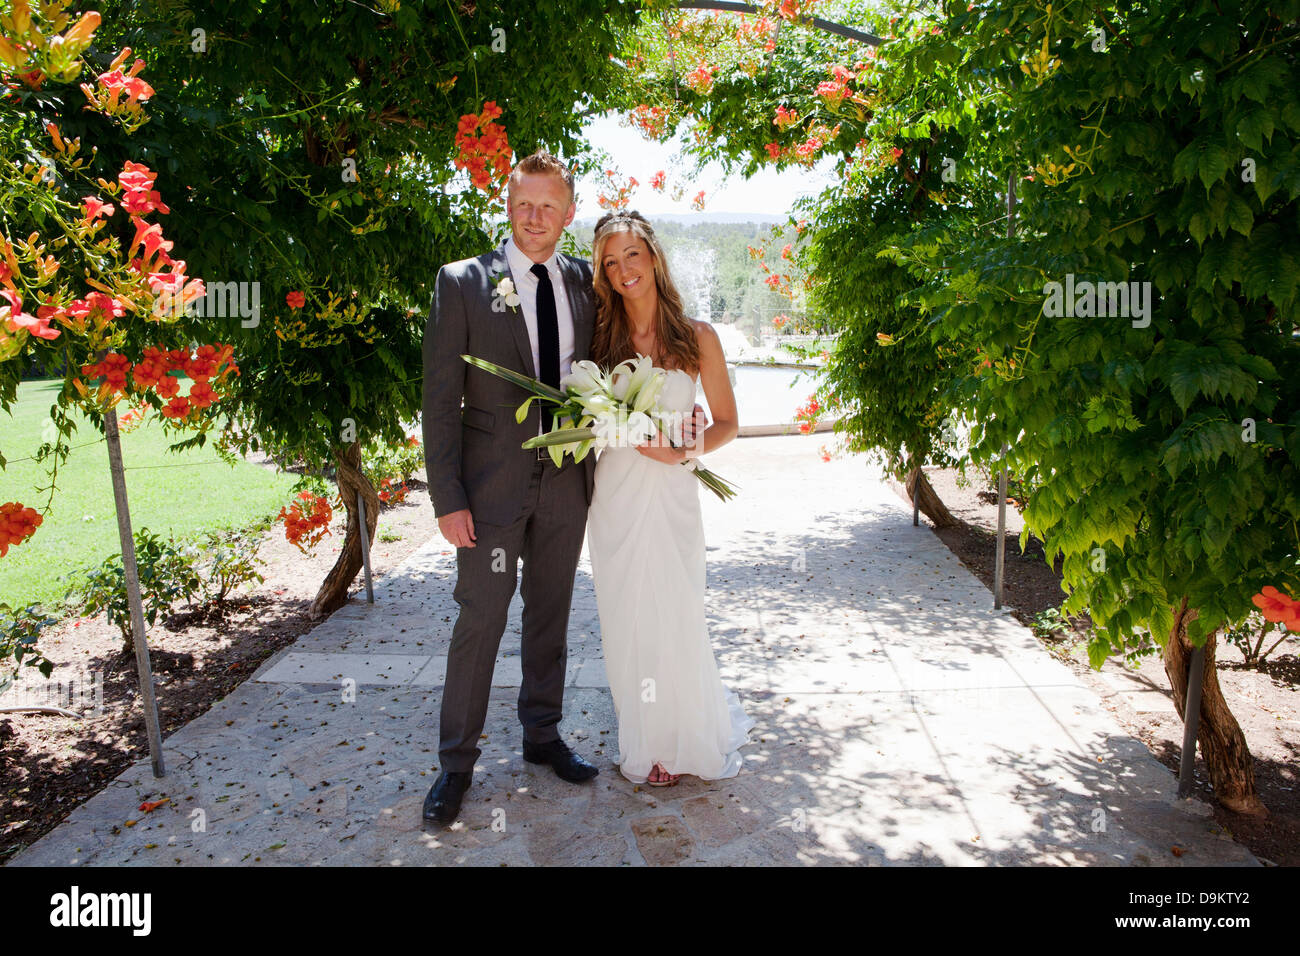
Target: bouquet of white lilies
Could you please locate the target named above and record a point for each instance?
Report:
(597, 410)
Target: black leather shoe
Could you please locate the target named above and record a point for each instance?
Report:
(443, 802)
(567, 765)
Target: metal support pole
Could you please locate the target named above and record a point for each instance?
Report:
(1000, 559)
(365, 547)
(916, 498)
(132, 572)
(1191, 720)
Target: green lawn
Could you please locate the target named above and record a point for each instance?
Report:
(178, 494)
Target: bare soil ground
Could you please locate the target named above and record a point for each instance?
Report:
(1265, 701)
(51, 764)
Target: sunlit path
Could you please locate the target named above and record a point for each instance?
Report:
(900, 721)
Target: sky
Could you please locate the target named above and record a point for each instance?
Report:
(768, 191)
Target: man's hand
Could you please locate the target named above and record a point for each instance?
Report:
(458, 528)
(694, 426)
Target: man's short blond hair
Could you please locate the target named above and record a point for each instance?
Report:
(546, 164)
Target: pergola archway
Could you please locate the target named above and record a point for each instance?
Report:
(732, 6)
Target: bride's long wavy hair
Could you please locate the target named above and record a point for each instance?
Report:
(612, 340)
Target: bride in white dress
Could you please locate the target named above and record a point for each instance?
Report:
(645, 534)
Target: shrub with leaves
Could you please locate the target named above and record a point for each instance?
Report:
(396, 462)
(167, 574)
(1257, 638)
(1051, 625)
(390, 467)
(229, 562)
(20, 628)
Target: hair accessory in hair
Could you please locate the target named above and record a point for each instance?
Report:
(618, 217)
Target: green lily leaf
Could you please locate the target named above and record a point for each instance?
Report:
(564, 436)
(538, 388)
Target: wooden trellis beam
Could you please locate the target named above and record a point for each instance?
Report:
(730, 6)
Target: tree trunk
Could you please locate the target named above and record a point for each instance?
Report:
(333, 592)
(1223, 745)
(932, 505)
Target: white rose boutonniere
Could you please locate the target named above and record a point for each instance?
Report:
(504, 295)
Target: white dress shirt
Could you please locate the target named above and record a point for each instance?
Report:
(526, 286)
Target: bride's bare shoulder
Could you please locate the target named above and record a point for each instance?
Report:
(706, 334)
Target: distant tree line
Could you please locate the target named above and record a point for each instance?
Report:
(712, 258)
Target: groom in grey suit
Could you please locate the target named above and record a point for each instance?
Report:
(496, 502)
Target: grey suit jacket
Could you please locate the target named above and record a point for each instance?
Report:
(471, 439)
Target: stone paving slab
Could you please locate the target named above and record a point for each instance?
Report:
(1138, 692)
(900, 721)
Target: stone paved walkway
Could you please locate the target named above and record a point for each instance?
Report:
(900, 721)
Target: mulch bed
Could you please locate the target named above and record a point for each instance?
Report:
(1264, 701)
(50, 764)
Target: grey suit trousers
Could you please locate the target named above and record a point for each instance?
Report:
(547, 535)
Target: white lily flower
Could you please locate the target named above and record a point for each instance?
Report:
(640, 428)
(648, 394)
(584, 378)
(630, 376)
(597, 403)
(619, 380)
(595, 370)
(643, 371)
(606, 429)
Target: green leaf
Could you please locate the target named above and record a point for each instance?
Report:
(1255, 127)
(1258, 78)
(1098, 652)
(1240, 217)
(522, 411)
(1212, 163)
(1220, 264)
(1193, 76)
(561, 437)
(1219, 38)
(536, 386)
(1187, 161)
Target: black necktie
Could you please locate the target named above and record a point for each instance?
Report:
(548, 336)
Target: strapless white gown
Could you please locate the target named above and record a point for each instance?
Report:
(645, 539)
